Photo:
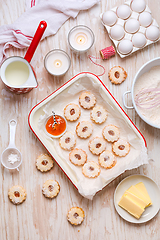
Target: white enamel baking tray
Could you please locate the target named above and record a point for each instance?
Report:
(58, 100)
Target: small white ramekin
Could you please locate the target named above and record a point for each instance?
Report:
(50, 135)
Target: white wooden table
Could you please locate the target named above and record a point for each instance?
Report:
(39, 218)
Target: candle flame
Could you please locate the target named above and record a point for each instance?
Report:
(57, 63)
(81, 38)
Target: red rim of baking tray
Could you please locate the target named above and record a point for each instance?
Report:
(60, 88)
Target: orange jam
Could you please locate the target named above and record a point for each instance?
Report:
(58, 128)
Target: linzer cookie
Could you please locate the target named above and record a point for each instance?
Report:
(68, 141)
(117, 75)
(99, 114)
(50, 188)
(87, 100)
(75, 215)
(110, 133)
(44, 163)
(107, 159)
(78, 157)
(72, 112)
(121, 148)
(91, 169)
(97, 145)
(84, 129)
(17, 194)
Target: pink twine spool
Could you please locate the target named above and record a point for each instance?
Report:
(107, 52)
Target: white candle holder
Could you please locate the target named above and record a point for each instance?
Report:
(57, 62)
(81, 38)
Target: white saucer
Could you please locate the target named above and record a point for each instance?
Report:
(153, 191)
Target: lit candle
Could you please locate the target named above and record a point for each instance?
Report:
(80, 38)
(57, 62)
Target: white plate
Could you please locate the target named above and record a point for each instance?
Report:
(153, 192)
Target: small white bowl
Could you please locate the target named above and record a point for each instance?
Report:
(53, 136)
(145, 68)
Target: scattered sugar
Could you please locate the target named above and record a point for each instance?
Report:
(12, 158)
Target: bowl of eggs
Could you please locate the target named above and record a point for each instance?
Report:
(131, 26)
(145, 93)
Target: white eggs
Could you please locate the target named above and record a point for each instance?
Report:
(132, 25)
(138, 5)
(145, 19)
(125, 46)
(123, 11)
(152, 33)
(139, 40)
(109, 18)
(117, 32)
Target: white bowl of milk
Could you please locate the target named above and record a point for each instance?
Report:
(17, 74)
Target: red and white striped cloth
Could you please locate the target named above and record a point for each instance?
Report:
(54, 12)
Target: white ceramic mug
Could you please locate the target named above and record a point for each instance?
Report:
(17, 75)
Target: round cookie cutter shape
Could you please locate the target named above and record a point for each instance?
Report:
(11, 157)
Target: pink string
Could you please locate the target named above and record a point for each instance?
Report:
(99, 65)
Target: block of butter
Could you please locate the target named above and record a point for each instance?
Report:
(135, 200)
(141, 187)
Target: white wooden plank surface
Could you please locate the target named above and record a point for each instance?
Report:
(39, 218)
